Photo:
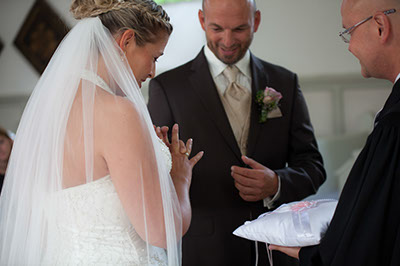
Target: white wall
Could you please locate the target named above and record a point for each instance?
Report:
(303, 36)
(300, 35)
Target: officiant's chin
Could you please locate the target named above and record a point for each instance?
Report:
(364, 72)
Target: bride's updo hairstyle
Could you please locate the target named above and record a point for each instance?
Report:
(145, 17)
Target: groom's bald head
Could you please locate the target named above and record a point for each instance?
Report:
(252, 3)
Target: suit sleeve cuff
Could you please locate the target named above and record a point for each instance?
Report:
(270, 202)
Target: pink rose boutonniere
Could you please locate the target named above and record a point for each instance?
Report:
(268, 100)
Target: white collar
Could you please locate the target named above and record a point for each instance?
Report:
(217, 67)
(397, 78)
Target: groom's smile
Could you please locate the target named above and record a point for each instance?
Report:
(228, 52)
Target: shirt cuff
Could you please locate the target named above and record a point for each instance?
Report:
(270, 202)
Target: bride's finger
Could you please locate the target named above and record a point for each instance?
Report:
(158, 132)
(175, 137)
(189, 145)
(164, 132)
(182, 148)
(195, 159)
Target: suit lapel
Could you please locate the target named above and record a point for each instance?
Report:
(203, 84)
(259, 81)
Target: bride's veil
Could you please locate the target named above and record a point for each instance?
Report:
(62, 120)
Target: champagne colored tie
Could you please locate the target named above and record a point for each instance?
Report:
(239, 100)
(234, 91)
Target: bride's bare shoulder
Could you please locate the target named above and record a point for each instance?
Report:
(118, 113)
(120, 128)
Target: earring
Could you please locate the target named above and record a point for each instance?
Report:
(123, 57)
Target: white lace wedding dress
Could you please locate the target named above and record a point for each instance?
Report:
(92, 228)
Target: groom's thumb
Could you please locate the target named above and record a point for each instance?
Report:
(253, 164)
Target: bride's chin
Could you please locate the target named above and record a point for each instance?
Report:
(139, 82)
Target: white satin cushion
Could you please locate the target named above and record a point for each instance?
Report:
(295, 224)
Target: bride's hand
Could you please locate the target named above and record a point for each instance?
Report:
(181, 164)
(162, 133)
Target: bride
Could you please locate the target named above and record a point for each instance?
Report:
(88, 179)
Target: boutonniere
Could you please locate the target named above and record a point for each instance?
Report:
(268, 101)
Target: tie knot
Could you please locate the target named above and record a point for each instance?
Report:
(230, 73)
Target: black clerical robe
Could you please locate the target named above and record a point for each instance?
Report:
(365, 229)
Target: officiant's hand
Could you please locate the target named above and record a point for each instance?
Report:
(254, 184)
(290, 251)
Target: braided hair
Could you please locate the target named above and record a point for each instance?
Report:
(145, 17)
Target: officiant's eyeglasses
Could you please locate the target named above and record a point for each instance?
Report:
(345, 35)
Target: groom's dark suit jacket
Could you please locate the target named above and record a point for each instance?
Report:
(187, 95)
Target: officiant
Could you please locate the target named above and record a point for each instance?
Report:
(251, 119)
(365, 229)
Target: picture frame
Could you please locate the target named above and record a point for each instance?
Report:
(40, 34)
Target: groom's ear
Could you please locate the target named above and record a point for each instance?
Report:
(201, 19)
(257, 20)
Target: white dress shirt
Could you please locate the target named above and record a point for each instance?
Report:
(397, 78)
(376, 115)
(217, 67)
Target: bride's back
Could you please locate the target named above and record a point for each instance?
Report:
(84, 161)
(91, 225)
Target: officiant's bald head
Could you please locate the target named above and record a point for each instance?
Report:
(372, 29)
(368, 6)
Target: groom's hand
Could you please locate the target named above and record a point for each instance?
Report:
(254, 184)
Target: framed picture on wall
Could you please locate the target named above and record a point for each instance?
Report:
(40, 35)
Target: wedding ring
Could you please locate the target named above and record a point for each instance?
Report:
(187, 154)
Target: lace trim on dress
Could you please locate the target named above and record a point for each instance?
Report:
(167, 153)
(99, 180)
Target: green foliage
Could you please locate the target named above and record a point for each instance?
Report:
(261, 106)
(267, 100)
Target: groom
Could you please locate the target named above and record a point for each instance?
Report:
(212, 99)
